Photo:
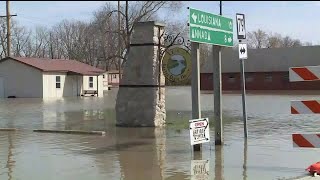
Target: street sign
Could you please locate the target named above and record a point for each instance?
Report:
(241, 26)
(199, 169)
(199, 131)
(243, 51)
(210, 29)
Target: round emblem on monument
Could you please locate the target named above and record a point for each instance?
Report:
(176, 64)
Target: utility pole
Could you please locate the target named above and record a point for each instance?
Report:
(119, 41)
(220, 8)
(8, 30)
(8, 16)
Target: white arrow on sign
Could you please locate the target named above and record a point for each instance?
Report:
(194, 17)
(243, 51)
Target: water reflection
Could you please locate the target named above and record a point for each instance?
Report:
(142, 156)
(245, 149)
(10, 162)
(138, 153)
(218, 163)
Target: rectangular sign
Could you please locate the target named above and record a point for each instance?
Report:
(306, 140)
(243, 51)
(210, 29)
(241, 26)
(307, 73)
(305, 107)
(199, 131)
(199, 169)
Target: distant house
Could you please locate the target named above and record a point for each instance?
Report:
(105, 81)
(41, 78)
(113, 78)
(265, 69)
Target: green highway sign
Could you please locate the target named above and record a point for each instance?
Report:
(210, 29)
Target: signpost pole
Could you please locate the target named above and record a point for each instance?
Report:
(243, 86)
(219, 33)
(195, 85)
(217, 95)
(243, 54)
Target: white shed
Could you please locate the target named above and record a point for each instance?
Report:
(38, 77)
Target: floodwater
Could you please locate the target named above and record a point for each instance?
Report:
(148, 153)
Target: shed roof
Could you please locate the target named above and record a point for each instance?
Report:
(58, 65)
(266, 60)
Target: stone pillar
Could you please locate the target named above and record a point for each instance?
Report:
(141, 99)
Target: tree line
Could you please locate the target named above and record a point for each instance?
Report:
(94, 42)
(260, 39)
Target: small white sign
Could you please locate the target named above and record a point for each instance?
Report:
(243, 51)
(199, 131)
(241, 26)
(199, 169)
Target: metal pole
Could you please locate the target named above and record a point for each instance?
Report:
(8, 29)
(217, 95)
(195, 85)
(220, 8)
(119, 41)
(243, 85)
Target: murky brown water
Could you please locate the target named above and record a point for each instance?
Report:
(147, 153)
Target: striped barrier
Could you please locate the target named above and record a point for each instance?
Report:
(307, 73)
(306, 140)
(305, 107)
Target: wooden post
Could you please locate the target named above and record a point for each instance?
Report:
(8, 30)
(195, 85)
(119, 41)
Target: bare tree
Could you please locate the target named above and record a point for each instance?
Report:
(274, 40)
(308, 44)
(260, 39)
(257, 39)
(140, 11)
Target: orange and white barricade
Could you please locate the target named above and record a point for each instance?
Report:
(306, 140)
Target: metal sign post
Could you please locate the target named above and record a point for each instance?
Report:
(195, 85)
(243, 54)
(208, 28)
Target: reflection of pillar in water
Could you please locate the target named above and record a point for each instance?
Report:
(219, 162)
(245, 150)
(141, 153)
(160, 135)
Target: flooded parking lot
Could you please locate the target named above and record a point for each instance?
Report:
(148, 153)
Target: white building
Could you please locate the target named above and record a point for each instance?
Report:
(37, 77)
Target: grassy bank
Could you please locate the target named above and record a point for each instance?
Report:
(180, 120)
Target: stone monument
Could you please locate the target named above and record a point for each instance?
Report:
(141, 96)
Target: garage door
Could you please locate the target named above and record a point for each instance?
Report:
(1, 87)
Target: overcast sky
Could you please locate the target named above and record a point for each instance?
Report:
(296, 19)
